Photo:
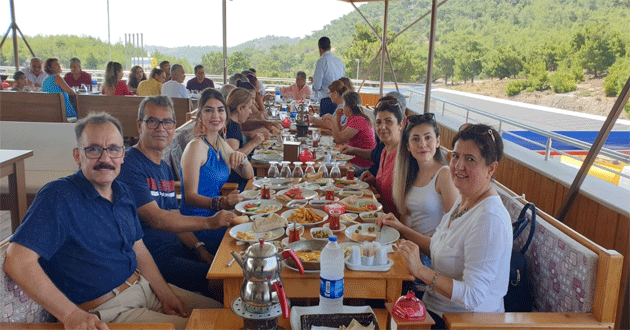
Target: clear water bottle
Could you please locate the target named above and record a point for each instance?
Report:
(331, 277)
(278, 98)
(94, 87)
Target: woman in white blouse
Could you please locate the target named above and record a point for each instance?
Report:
(471, 247)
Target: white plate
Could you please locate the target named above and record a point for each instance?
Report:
(387, 235)
(377, 268)
(370, 220)
(359, 185)
(307, 185)
(379, 206)
(288, 213)
(348, 217)
(285, 242)
(266, 206)
(316, 229)
(262, 158)
(334, 188)
(276, 183)
(250, 194)
(341, 227)
(343, 157)
(346, 193)
(306, 193)
(347, 183)
(247, 228)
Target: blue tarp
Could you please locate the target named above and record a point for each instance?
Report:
(618, 141)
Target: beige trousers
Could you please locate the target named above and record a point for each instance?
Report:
(138, 304)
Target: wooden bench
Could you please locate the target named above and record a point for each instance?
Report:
(125, 109)
(575, 282)
(32, 107)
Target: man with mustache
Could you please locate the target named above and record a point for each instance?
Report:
(79, 252)
(182, 259)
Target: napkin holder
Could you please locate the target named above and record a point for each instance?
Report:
(291, 151)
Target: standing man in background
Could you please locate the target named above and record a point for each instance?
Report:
(327, 69)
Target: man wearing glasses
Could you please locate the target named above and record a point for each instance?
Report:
(79, 252)
(182, 259)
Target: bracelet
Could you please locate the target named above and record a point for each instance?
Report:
(433, 282)
(215, 203)
(198, 244)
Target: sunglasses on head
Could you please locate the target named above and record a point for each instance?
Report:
(419, 119)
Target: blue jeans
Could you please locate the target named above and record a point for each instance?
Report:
(326, 106)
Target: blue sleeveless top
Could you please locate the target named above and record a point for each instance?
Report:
(49, 86)
(212, 176)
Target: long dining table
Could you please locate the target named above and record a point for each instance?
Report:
(357, 284)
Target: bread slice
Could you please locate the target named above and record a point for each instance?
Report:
(270, 222)
(314, 176)
(367, 237)
(240, 219)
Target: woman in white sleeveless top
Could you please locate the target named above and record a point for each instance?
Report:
(423, 188)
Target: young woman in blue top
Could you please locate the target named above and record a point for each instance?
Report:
(206, 164)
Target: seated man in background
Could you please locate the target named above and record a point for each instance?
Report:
(153, 85)
(200, 82)
(299, 89)
(79, 252)
(152, 184)
(34, 74)
(175, 87)
(76, 76)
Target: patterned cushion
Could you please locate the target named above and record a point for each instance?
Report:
(561, 270)
(15, 305)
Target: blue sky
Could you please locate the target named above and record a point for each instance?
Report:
(174, 23)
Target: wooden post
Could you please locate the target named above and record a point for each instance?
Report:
(592, 153)
(427, 91)
(384, 41)
(225, 42)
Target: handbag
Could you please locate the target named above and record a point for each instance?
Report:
(519, 295)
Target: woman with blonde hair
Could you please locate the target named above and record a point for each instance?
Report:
(114, 86)
(336, 89)
(206, 165)
(423, 189)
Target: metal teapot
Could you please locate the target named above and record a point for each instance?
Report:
(262, 285)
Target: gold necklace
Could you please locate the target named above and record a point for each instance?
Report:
(461, 212)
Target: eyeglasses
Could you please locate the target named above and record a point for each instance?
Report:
(153, 123)
(96, 152)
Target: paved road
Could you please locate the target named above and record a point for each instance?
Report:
(550, 119)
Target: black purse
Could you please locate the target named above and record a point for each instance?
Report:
(519, 295)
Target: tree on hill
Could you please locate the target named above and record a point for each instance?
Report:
(213, 63)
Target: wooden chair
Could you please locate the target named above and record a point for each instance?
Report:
(32, 107)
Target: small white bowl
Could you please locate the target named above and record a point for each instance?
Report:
(348, 217)
(323, 230)
(299, 227)
(365, 216)
(250, 194)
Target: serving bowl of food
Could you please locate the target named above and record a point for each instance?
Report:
(321, 233)
(309, 252)
(370, 217)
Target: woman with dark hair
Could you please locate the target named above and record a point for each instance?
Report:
(358, 132)
(55, 84)
(472, 246)
(389, 122)
(114, 86)
(206, 164)
(258, 110)
(153, 85)
(136, 75)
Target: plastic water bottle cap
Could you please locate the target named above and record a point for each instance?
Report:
(332, 238)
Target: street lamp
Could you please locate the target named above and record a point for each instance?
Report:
(358, 60)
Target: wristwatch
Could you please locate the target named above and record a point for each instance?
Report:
(198, 244)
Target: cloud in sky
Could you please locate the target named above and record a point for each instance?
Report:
(175, 23)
